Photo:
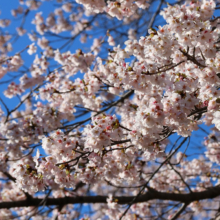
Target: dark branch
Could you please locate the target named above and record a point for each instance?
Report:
(150, 195)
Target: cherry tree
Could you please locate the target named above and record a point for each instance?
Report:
(101, 110)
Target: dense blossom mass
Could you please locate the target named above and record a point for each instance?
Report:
(99, 107)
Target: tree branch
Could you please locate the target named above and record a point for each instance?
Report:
(178, 213)
(150, 195)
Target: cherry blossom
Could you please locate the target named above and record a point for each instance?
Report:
(109, 110)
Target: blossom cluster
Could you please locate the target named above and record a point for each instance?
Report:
(118, 9)
(100, 126)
